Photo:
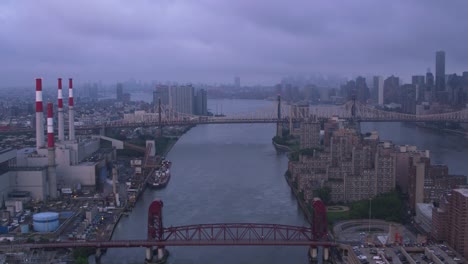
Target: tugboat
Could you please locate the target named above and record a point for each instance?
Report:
(161, 177)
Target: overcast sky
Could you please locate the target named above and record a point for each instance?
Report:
(214, 40)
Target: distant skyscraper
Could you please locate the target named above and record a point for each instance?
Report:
(161, 91)
(392, 90)
(237, 83)
(181, 99)
(362, 91)
(378, 89)
(119, 92)
(440, 71)
(419, 82)
(200, 102)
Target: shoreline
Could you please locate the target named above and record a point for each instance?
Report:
(301, 202)
(462, 133)
(143, 188)
(282, 148)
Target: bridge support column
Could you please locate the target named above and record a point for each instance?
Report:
(313, 252)
(326, 254)
(102, 131)
(160, 253)
(279, 125)
(97, 256)
(149, 253)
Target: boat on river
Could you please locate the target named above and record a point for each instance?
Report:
(160, 177)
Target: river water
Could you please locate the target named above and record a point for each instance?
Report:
(232, 173)
(220, 174)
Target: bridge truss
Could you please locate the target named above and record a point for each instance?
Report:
(354, 110)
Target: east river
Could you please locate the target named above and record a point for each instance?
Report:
(232, 174)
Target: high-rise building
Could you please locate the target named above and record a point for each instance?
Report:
(362, 89)
(408, 98)
(378, 89)
(119, 92)
(391, 90)
(200, 103)
(458, 217)
(429, 80)
(161, 91)
(237, 83)
(440, 71)
(419, 83)
(181, 99)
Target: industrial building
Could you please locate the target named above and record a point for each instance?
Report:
(60, 167)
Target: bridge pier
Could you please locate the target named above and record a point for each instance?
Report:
(161, 253)
(149, 254)
(97, 256)
(313, 252)
(102, 131)
(326, 254)
(279, 125)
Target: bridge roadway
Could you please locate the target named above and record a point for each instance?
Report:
(244, 234)
(196, 121)
(154, 243)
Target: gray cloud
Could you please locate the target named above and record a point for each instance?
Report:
(213, 40)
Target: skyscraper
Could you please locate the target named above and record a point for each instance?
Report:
(378, 89)
(161, 91)
(181, 99)
(419, 83)
(119, 92)
(440, 71)
(237, 82)
(391, 90)
(200, 103)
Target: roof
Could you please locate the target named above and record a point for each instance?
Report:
(463, 192)
(46, 216)
(425, 208)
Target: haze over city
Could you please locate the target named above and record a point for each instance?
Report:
(208, 131)
(212, 41)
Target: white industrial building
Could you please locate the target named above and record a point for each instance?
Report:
(45, 170)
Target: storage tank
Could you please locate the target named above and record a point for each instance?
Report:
(45, 222)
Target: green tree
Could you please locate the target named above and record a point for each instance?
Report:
(323, 193)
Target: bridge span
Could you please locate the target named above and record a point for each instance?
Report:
(351, 110)
(221, 234)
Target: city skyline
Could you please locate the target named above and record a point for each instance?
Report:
(176, 40)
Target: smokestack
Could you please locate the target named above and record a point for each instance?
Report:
(71, 114)
(39, 115)
(50, 126)
(51, 171)
(61, 128)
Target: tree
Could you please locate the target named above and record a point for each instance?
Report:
(324, 193)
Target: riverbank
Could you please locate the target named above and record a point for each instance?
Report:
(302, 203)
(461, 132)
(281, 148)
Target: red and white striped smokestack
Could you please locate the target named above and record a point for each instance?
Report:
(39, 115)
(61, 128)
(71, 114)
(51, 170)
(50, 126)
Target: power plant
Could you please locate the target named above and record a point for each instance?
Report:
(70, 163)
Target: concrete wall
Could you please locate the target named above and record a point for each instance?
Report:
(34, 182)
(5, 184)
(85, 174)
(7, 155)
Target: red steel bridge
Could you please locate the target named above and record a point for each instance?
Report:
(223, 234)
(276, 113)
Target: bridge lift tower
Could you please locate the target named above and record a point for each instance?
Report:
(279, 124)
(354, 117)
